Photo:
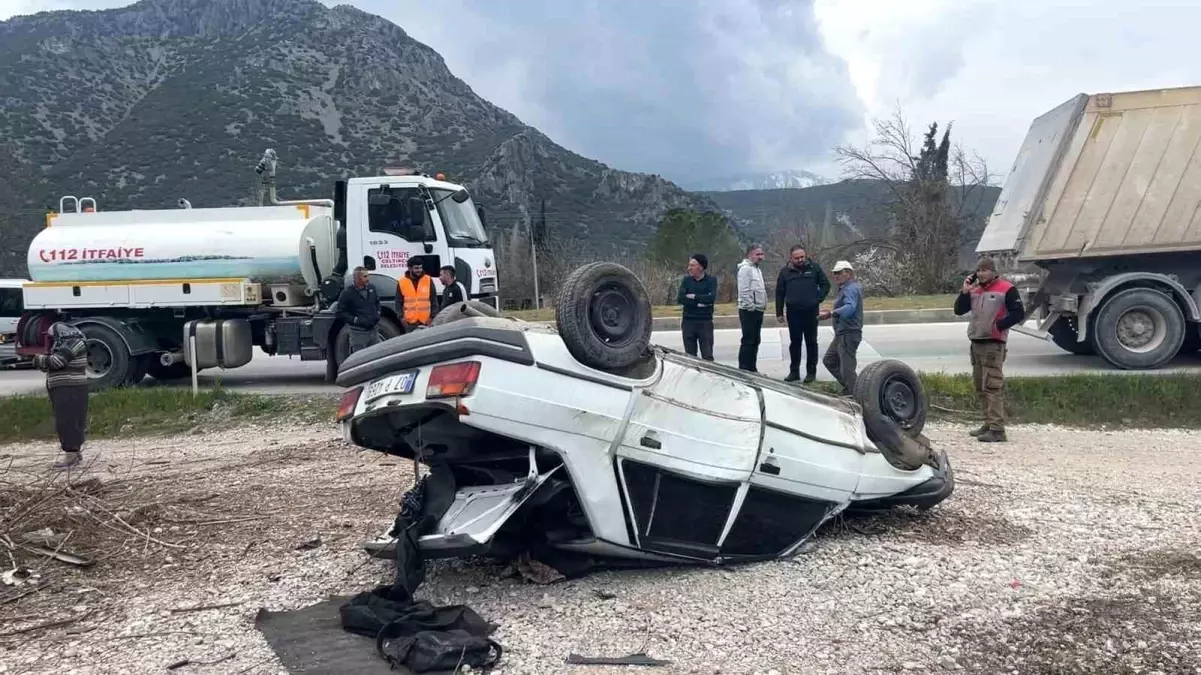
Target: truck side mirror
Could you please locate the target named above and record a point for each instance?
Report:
(480, 211)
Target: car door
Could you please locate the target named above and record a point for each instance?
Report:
(809, 466)
(688, 449)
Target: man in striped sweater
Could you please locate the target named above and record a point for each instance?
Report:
(65, 366)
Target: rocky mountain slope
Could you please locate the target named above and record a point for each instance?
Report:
(165, 99)
(772, 180)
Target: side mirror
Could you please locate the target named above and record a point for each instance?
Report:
(460, 196)
(483, 220)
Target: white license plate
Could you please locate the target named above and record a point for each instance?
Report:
(396, 384)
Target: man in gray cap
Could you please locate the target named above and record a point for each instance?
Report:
(840, 358)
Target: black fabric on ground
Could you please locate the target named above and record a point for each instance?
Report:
(415, 634)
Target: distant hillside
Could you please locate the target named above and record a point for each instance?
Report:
(852, 208)
(164, 99)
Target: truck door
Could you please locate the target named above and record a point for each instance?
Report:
(392, 224)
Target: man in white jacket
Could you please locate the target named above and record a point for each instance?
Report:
(752, 302)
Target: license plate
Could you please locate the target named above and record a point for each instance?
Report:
(396, 384)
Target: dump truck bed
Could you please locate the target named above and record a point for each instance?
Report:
(1104, 175)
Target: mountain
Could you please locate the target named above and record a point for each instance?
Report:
(163, 99)
(845, 211)
(774, 180)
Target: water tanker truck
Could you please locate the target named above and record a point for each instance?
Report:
(1105, 198)
(142, 284)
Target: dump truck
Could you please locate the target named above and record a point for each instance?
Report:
(145, 285)
(1104, 199)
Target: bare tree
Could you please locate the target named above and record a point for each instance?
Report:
(934, 191)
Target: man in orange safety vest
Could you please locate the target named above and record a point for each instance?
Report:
(415, 298)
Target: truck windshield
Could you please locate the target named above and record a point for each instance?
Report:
(463, 226)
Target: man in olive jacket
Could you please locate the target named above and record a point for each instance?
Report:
(801, 288)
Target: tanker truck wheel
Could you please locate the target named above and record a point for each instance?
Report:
(109, 359)
(387, 330)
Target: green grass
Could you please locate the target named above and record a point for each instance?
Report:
(1171, 401)
(158, 411)
(870, 304)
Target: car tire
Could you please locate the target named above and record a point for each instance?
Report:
(1121, 320)
(105, 347)
(1063, 334)
(463, 310)
(890, 388)
(603, 315)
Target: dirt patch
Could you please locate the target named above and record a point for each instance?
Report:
(945, 525)
(1127, 634)
(1160, 564)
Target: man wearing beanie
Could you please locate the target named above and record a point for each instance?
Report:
(698, 292)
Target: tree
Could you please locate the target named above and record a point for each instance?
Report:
(683, 232)
(932, 194)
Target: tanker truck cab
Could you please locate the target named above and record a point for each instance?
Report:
(392, 220)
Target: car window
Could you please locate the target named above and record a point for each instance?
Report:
(400, 212)
(10, 302)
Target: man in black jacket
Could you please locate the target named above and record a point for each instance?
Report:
(801, 288)
(359, 308)
(698, 292)
(453, 289)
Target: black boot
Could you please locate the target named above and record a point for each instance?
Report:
(992, 436)
(793, 376)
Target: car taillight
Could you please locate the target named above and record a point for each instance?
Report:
(349, 400)
(454, 379)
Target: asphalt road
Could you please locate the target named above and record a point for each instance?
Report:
(926, 347)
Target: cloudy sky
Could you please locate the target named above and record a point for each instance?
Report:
(693, 90)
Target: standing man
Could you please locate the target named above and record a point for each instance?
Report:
(752, 303)
(698, 292)
(65, 365)
(995, 306)
(359, 307)
(841, 356)
(801, 288)
(453, 291)
(416, 299)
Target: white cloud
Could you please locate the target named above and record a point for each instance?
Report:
(991, 66)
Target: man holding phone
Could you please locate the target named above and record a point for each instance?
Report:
(995, 306)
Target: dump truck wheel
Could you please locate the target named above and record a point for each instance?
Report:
(1063, 334)
(1139, 328)
(603, 314)
(463, 310)
(891, 389)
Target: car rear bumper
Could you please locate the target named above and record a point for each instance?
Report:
(924, 495)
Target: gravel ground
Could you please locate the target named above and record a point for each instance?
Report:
(1064, 551)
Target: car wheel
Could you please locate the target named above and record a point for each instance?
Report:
(1139, 328)
(1063, 334)
(603, 314)
(463, 310)
(892, 389)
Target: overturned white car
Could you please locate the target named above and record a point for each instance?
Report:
(588, 439)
